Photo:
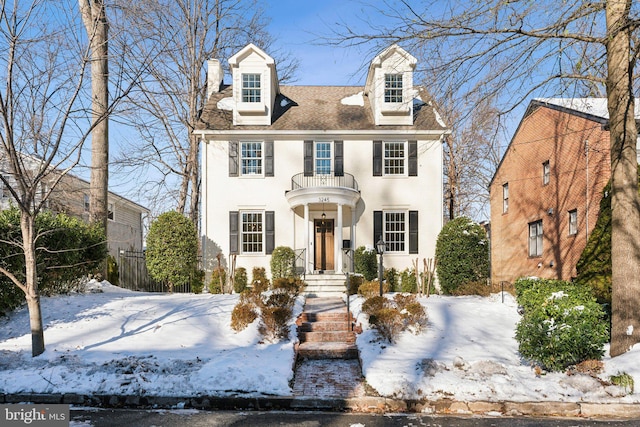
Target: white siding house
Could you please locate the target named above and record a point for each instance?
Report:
(319, 168)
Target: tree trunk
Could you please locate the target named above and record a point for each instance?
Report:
(27, 225)
(625, 207)
(95, 22)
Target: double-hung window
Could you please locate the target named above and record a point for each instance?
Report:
(252, 232)
(395, 231)
(393, 88)
(323, 158)
(573, 222)
(535, 239)
(395, 158)
(86, 202)
(251, 88)
(251, 158)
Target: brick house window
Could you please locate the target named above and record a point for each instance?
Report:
(535, 239)
(505, 198)
(573, 222)
(546, 173)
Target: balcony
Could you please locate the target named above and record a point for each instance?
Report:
(300, 181)
(323, 188)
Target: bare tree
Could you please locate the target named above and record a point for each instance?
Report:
(516, 49)
(46, 118)
(166, 108)
(95, 22)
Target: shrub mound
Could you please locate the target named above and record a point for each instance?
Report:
(562, 324)
(390, 317)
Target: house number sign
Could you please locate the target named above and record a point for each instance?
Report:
(324, 199)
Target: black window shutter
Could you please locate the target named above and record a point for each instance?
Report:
(377, 158)
(234, 235)
(377, 226)
(308, 158)
(269, 227)
(233, 158)
(338, 161)
(413, 158)
(413, 232)
(268, 158)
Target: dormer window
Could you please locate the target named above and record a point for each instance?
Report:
(251, 88)
(393, 88)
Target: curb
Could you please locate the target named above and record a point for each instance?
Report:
(360, 404)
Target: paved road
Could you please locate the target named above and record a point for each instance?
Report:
(193, 418)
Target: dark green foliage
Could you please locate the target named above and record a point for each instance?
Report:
(355, 280)
(365, 263)
(67, 250)
(172, 249)
(240, 280)
(113, 275)
(283, 261)
(390, 276)
(218, 279)
(462, 251)
(562, 324)
(197, 281)
(259, 281)
(408, 281)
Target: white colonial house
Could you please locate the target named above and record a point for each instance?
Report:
(320, 169)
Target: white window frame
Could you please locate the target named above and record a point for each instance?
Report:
(393, 88)
(387, 166)
(505, 197)
(573, 222)
(316, 146)
(247, 246)
(245, 169)
(396, 231)
(85, 202)
(546, 173)
(251, 89)
(536, 239)
(111, 212)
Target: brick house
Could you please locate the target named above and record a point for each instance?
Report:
(546, 192)
(320, 169)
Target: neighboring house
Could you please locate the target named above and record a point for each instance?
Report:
(71, 196)
(319, 169)
(546, 192)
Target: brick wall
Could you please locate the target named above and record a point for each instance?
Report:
(556, 137)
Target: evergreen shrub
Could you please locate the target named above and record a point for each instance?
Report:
(390, 317)
(240, 280)
(218, 280)
(282, 263)
(365, 262)
(259, 280)
(408, 281)
(562, 324)
(462, 251)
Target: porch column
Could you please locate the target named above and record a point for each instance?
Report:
(306, 238)
(353, 236)
(338, 243)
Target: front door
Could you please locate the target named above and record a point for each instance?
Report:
(324, 244)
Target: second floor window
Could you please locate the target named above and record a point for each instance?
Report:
(252, 235)
(394, 158)
(251, 88)
(110, 214)
(323, 158)
(573, 222)
(505, 198)
(535, 239)
(251, 158)
(85, 197)
(393, 88)
(546, 173)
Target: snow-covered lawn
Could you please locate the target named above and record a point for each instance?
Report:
(122, 342)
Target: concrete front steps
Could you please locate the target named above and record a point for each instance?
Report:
(324, 330)
(325, 285)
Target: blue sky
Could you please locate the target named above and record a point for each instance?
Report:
(296, 26)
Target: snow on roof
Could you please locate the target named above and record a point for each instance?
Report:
(593, 106)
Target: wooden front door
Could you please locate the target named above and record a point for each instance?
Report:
(324, 244)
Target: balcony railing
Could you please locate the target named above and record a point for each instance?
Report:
(323, 180)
